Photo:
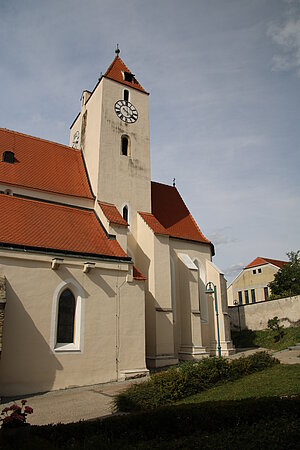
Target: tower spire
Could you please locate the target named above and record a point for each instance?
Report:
(117, 51)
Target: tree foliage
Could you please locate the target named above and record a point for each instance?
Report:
(286, 281)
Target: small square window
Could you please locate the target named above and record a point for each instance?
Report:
(254, 271)
(259, 270)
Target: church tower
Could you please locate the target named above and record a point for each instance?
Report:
(112, 131)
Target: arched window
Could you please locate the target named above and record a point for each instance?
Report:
(125, 213)
(66, 318)
(125, 145)
(126, 95)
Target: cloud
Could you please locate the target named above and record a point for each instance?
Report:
(220, 236)
(287, 37)
(233, 270)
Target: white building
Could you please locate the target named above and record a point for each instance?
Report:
(103, 272)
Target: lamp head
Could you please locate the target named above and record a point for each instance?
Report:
(209, 288)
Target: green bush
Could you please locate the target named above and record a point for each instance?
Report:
(251, 423)
(188, 378)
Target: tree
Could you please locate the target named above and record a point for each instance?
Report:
(286, 281)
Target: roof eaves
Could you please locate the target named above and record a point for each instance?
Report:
(53, 251)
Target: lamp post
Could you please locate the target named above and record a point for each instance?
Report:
(236, 303)
(211, 289)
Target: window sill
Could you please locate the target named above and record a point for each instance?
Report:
(59, 348)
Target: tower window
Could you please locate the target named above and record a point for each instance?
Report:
(125, 213)
(8, 157)
(128, 76)
(125, 145)
(126, 95)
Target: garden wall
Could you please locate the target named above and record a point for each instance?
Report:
(255, 316)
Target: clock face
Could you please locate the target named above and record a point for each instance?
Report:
(126, 111)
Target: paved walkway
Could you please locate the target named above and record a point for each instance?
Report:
(287, 356)
(72, 405)
(90, 402)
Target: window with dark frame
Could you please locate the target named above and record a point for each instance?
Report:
(66, 318)
(125, 213)
(240, 297)
(254, 271)
(253, 298)
(128, 76)
(126, 95)
(124, 145)
(266, 292)
(259, 270)
(8, 157)
(247, 297)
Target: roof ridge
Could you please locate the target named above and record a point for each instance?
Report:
(164, 184)
(195, 223)
(39, 139)
(112, 64)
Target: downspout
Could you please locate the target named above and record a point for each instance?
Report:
(118, 308)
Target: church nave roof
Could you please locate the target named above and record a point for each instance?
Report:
(42, 165)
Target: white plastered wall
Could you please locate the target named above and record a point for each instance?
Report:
(153, 258)
(113, 325)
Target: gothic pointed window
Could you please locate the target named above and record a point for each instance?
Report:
(66, 317)
(125, 213)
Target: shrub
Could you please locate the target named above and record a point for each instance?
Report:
(187, 379)
(273, 324)
(254, 423)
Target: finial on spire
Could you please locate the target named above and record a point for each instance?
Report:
(174, 182)
(117, 51)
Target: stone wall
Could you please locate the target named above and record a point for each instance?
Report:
(255, 316)
(2, 307)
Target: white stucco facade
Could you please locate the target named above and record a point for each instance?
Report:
(125, 321)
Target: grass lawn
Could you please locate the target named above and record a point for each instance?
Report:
(280, 380)
(265, 338)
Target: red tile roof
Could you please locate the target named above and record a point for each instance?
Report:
(170, 211)
(43, 165)
(137, 275)
(259, 261)
(153, 223)
(114, 72)
(43, 225)
(170, 215)
(112, 214)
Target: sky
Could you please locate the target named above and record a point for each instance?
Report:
(224, 83)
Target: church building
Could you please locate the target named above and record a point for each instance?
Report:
(103, 273)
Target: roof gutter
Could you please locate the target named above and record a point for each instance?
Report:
(56, 252)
